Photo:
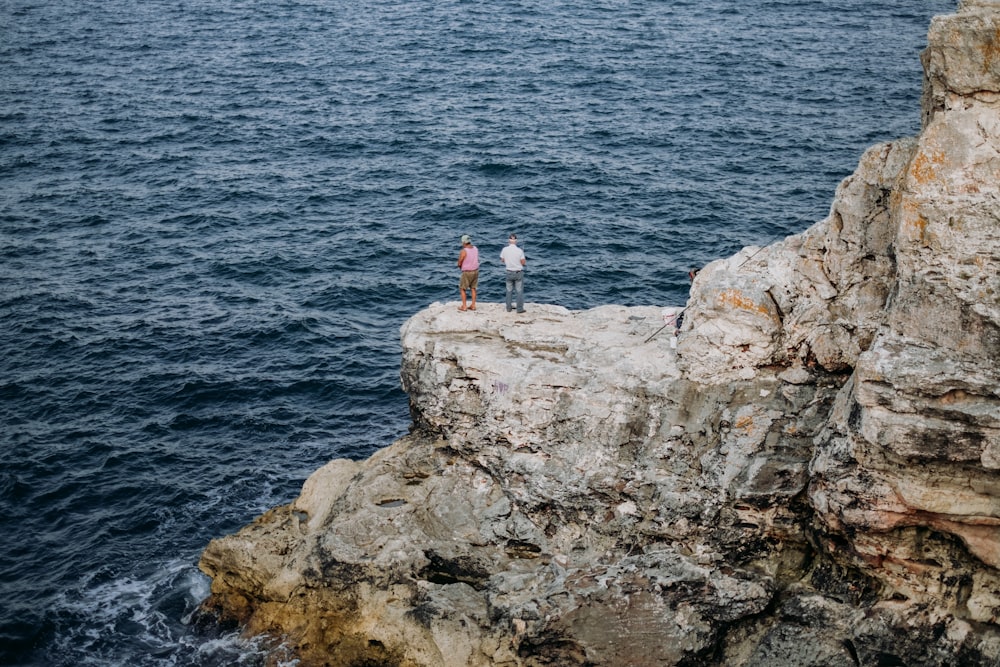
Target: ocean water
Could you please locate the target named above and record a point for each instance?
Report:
(216, 214)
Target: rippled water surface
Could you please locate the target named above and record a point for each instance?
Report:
(215, 215)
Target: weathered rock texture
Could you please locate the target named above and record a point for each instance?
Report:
(809, 478)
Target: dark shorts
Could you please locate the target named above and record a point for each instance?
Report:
(470, 280)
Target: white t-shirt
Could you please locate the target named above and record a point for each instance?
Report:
(512, 256)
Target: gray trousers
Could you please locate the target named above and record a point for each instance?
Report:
(515, 283)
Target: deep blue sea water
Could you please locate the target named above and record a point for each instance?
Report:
(215, 215)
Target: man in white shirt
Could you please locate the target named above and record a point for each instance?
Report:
(513, 259)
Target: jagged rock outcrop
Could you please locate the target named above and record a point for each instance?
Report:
(809, 478)
(901, 285)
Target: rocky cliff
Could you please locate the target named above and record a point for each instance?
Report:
(808, 478)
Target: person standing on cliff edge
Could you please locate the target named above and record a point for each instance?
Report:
(513, 259)
(468, 261)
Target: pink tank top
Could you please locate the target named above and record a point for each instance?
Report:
(471, 261)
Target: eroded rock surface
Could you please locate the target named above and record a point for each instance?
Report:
(808, 478)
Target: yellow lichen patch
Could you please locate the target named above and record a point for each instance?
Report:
(737, 299)
(744, 422)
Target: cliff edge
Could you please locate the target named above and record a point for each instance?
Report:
(809, 477)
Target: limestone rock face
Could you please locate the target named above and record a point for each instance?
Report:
(565, 496)
(909, 462)
(808, 477)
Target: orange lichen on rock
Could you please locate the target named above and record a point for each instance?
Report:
(991, 52)
(737, 299)
(925, 166)
(913, 225)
